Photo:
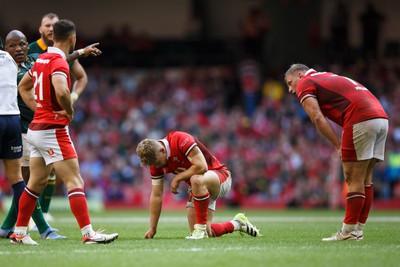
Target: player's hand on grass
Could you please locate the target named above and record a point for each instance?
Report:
(150, 233)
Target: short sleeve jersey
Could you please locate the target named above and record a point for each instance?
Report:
(48, 64)
(341, 99)
(178, 146)
(26, 112)
(8, 85)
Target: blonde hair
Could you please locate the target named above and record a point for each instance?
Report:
(147, 152)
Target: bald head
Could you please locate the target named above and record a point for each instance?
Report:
(15, 34)
(16, 45)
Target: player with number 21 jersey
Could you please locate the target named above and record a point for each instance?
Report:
(48, 64)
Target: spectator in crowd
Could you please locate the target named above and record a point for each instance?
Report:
(254, 28)
(371, 22)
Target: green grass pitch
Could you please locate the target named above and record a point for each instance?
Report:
(290, 238)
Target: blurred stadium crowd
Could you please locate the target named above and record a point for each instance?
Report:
(275, 153)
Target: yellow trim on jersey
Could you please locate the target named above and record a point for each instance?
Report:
(42, 44)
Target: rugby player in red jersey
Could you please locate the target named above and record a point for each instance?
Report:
(45, 89)
(191, 162)
(365, 126)
(80, 81)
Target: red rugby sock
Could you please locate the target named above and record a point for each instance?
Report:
(369, 197)
(219, 229)
(201, 208)
(27, 204)
(354, 204)
(78, 204)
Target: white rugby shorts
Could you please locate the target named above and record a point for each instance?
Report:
(53, 145)
(365, 140)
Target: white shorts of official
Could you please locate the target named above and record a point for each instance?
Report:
(52, 145)
(223, 190)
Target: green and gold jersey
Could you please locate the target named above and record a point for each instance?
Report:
(38, 47)
(26, 112)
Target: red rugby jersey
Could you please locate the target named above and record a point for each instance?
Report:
(178, 145)
(341, 99)
(48, 64)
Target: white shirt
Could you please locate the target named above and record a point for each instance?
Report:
(8, 85)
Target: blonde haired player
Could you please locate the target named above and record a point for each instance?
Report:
(186, 157)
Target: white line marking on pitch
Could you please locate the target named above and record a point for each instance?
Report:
(218, 219)
(105, 250)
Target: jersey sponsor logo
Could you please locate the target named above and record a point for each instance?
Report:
(16, 149)
(43, 61)
(184, 142)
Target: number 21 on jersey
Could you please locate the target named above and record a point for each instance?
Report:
(38, 82)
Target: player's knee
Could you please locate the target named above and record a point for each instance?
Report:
(196, 181)
(74, 183)
(14, 179)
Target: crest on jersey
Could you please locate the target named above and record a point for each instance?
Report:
(50, 151)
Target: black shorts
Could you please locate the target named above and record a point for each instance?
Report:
(10, 137)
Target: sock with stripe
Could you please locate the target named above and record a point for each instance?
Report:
(219, 229)
(369, 197)
(79, 207)
(354, 203)
(27, 204)
(45, 197)
(201, 207)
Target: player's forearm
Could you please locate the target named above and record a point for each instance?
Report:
(326, 130)
(73, 56)
(80, 85)
(29, 99)
(155, 210)
(65, 101)
(26, 91)
(193, 170)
